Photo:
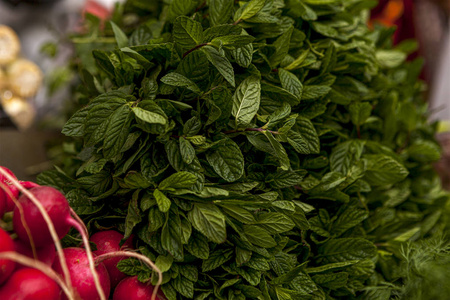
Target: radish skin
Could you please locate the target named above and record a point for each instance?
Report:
(81, 275)
(109, 241)
(6, 266)
(132, 288)
(30, 284)
(45, 254)
(141, 257)
(35, 264)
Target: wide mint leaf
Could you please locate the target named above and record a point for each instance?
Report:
(152, 117)
(195, 66)
(187, 33)
(349, 218)
(171, 235)
(303, 137)
(243, 55)
(239, 213)
(259, 236)
(246, 100)
(75, 125)
(279, 151)
(281, 47)
(275, 222)
(79, 201)
(382, 169)
(359, 112)
(187, 150)
(291, 83)
(162, 200)
(424, 151)
(331, 281)
(232, 40)
(164, 262)
(284, 179)
(198, 245)
(312, 92)
(248, 10)
(220, 11)
(179, 80)
(121, 37)
(227, 160)
(216, 259)
(209, 220)
(344, 155)
(181, 7)
(331, 267)
(184, 286)
(133, 215)
(95, 184)
(221, 63)
(117, 131)
(346, 249)
(179, 180)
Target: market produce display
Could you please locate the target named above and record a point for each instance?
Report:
(31, 268)
(262, 149)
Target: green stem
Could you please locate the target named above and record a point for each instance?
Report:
(195, 48)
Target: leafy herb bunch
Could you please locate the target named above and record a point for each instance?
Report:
(262, 149)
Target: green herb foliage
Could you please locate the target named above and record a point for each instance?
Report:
(262, 149)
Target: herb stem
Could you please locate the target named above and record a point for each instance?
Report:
(195, 48)
(250, 129)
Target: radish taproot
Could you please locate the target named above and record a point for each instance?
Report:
(6, 266)
(132, 288)
(109, 241)
(81, 276)
(30, 284)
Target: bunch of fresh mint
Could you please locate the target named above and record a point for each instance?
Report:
(262, 149)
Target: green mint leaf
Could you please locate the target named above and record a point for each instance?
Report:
(382, 169)
(359, 112)
(181, 7)
(162, 200)
(303, 137)
(246, 100)
(279, 150)
(281, 47)
(198, 246)
(344, 155)
(346, 249)
(227, 160)
(220, 11)
(249, 9)
(117, 131)
(186, 150)
(331, 281)
(216, 259)
(180, 180)
(121, 37)
(275, 222)
(187, 33)
(209, 220)
(291, 83)
(258, 236)
(221, 63)
(183, 286)
(175, 79)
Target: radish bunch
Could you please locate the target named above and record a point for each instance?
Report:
(33, 264)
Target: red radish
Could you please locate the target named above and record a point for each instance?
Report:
(81, 275)
(57, 208)
(108, 241)
(6, 266)
(14, 191)
(2, 203)
(30, 284)
(45, 254)
(132, 288)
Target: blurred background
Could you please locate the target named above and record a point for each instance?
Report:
(33, 113)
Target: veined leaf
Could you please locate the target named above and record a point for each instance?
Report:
(209, 220)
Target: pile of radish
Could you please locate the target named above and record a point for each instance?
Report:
(33, 264)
